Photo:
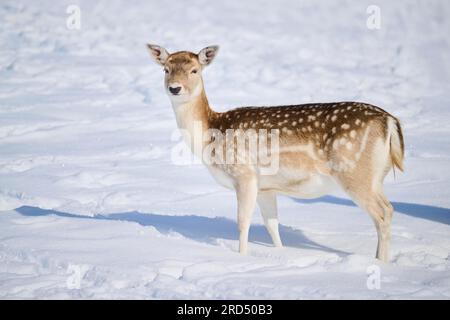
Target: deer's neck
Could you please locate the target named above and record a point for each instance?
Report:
(195, 110)
(194, 119)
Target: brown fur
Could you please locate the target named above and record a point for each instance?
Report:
(352, 144)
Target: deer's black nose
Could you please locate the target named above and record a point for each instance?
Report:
(174, 90)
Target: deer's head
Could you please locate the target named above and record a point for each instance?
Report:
(183, 71)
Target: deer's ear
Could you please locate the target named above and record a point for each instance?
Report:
(207, 55)
(158, 53)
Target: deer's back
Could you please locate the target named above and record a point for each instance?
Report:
(316, 141)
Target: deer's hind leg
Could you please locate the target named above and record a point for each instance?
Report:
(364, 184)
(381, 212)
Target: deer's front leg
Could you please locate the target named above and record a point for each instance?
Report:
(267, 202)
(246, 191)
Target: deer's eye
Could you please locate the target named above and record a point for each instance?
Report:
(166, 70)
(194, 71)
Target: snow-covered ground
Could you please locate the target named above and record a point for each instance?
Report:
(94, 207)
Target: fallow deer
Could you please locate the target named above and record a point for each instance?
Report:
(347, 144)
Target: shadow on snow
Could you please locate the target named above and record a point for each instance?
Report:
(437, 214)
(209, 230)
(203, 229)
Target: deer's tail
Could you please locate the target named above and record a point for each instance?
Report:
(396, 143)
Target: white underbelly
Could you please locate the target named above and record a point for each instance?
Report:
(312, 186)
(316, 186)
(306, 187)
